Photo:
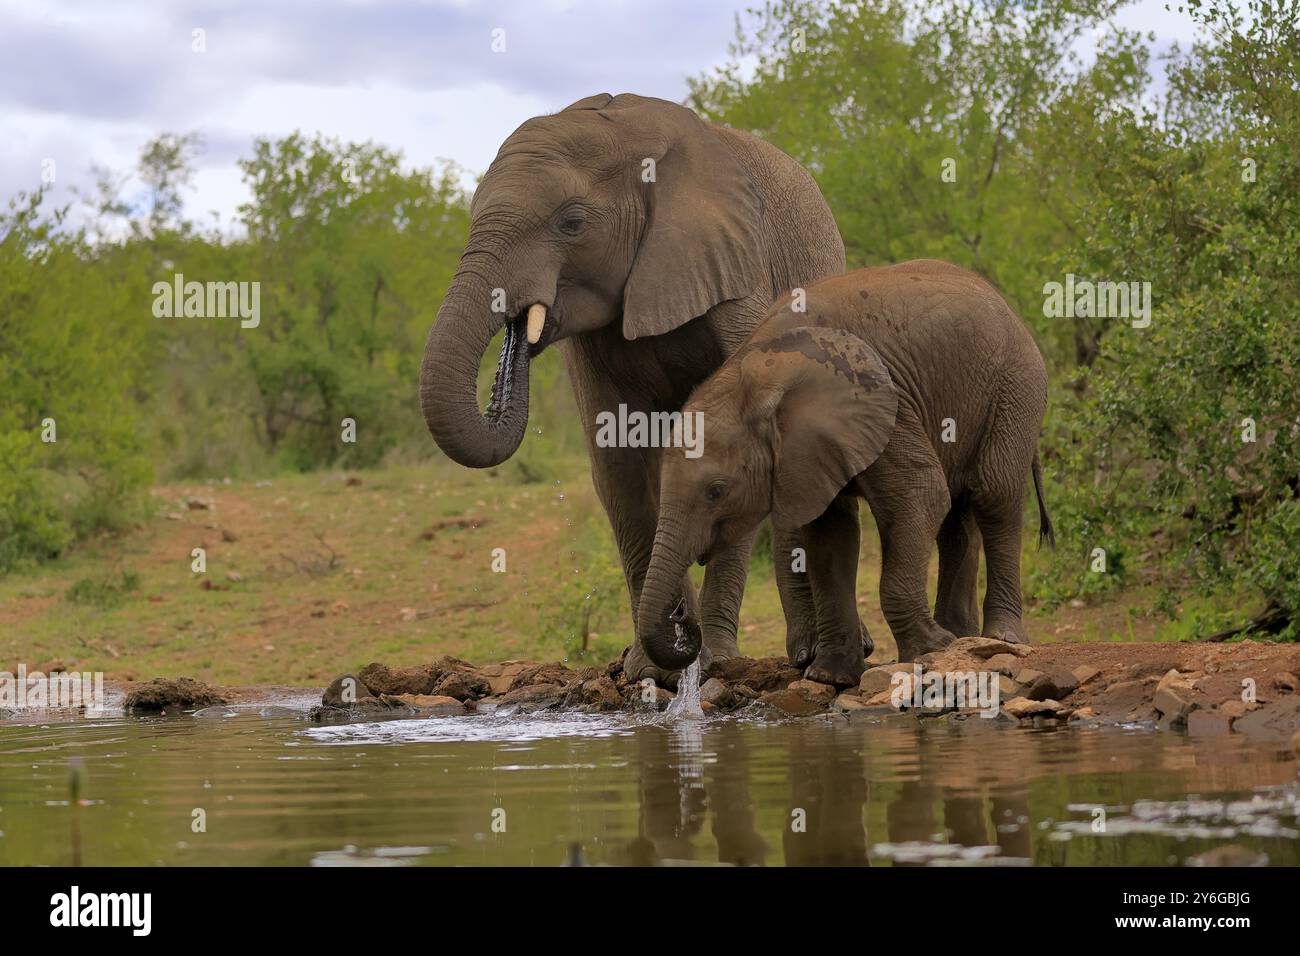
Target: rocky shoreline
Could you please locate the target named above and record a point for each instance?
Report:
(1201, 689)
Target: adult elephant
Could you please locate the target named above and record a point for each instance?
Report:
(645, 244)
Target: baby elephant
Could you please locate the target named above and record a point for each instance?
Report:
(914, 386)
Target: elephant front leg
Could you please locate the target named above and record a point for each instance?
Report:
(724, 587)
(627, 484)
(833, 541)
(790, 559)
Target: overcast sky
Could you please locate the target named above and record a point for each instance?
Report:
(87, 82)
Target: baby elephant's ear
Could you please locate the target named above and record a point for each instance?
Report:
(833, 405)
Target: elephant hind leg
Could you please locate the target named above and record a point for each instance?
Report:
(1001, 528)
(956, 606)
(909, 522)
(999, 511)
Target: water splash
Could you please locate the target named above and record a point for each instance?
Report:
(686, 705)
(513, 728)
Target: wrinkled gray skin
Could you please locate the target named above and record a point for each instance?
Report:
(849, 399)
(648, 287)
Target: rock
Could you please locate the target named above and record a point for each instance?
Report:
(344, 691)
(438, 703)
(1125, 700)
(1173, 699)
(462, 685)
(1085, 672)
(848, 701)
(1208, 723)
(870, 712)
(1008, 688)
(635, 696)
(600, 692)
(382, 679)
(1056, 684)
(1027, 676)
(715, 692)
(1238, 708)
(986, 647)
(535, 695)
(884, 699)
(814, 691)
(348, 695)
(877, 679)
(791, 702)
(1003, 664)
(1278, 720)
(1083, 713)
(163, 694)
(663, 697)
(553, 673)
(761, 674)
(387, 705)
(1021, 707)
(500, 683)
(1286, 682)
(1229, 855)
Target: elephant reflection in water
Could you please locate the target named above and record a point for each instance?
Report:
(828, 791)
(943, 775)
(829, 796)
(830, 770)
(679, 787)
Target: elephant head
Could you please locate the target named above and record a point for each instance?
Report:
(787, 423)
(616, 208)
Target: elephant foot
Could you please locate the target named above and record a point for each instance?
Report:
(868, 645)
(836, 666)
(801, 647)
(638, 667)
(960, 626)
(926, 641)
(719, 647)
(1006, 628)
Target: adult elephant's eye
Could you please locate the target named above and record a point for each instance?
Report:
(572, 224)
(715, 491)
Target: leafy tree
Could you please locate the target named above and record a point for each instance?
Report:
(72, 451)
(974, 131)
(353, 254)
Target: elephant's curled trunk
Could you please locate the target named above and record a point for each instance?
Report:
(449, 378)
(668, 634)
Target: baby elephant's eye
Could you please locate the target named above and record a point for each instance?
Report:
(715, 491)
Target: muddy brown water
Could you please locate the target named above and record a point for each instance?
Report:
(529, 789)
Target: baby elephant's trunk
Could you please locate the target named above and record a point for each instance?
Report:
(664, 625)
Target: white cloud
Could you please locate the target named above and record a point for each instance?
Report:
(89, 83)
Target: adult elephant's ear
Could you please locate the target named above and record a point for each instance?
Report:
(831, 406)
(701, 244)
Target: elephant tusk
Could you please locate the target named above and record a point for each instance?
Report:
(536, 320)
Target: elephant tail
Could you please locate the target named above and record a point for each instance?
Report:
(1045, 530)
